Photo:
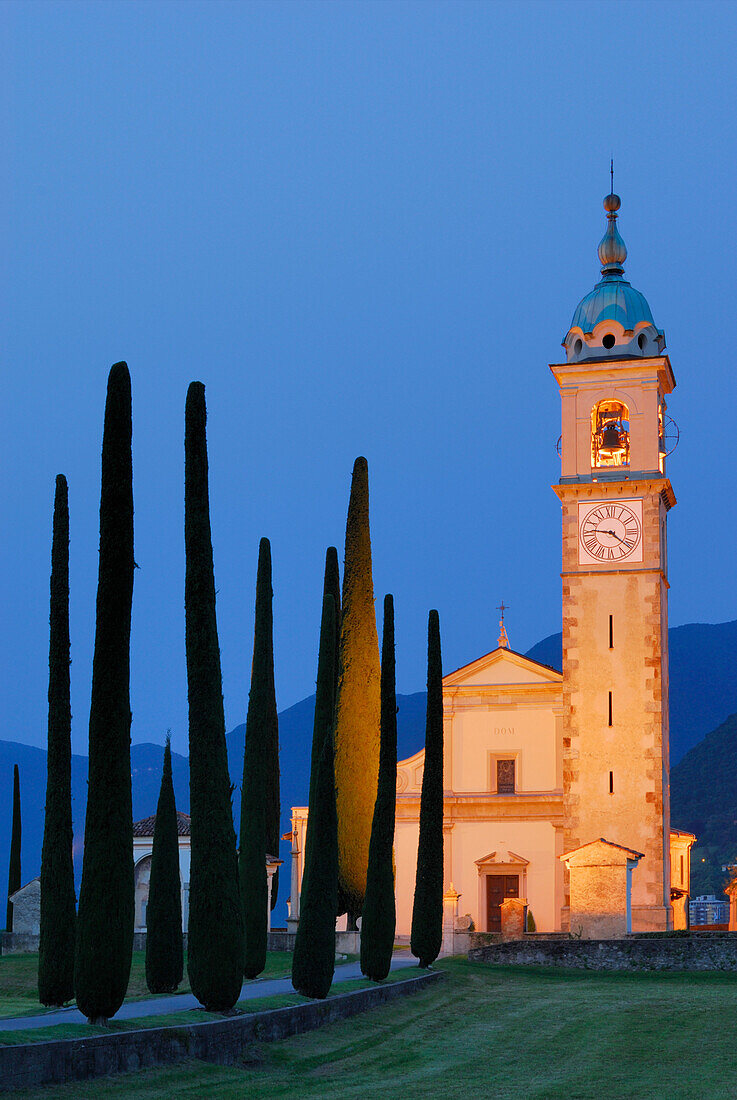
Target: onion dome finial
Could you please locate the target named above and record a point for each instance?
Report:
(612, 249)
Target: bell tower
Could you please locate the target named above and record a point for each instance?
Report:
(615, 498)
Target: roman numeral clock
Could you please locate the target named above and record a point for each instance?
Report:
(615, 497)
(609, 532)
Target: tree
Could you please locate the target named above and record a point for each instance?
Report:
(215, 939)
(257, 819)
(106, 900)
(379, 909)
(58, 900)
(314, 950)
(14, 864)
(358, 704)
(427, 911)
(164, 947)
(331, 587)
(273, 805)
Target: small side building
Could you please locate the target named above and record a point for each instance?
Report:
(143, 841)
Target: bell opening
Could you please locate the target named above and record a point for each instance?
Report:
(610, 434)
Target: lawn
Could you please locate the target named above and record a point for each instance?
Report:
(176, 1019)
(19, 989)
(498, 1032)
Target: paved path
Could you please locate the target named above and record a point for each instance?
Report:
(261, 987)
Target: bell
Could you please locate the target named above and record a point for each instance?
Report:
(610, 440)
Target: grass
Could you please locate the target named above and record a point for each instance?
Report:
(19, 976)
(176, 1019)
(507, 1032)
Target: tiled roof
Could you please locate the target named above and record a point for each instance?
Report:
(145, 827)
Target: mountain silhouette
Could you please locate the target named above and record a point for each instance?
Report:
(703, 725)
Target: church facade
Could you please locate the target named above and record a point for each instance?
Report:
(554, 775)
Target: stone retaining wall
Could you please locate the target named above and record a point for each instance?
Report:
(682, 951)
(225, 1041)
(14, 943)
(346, 943)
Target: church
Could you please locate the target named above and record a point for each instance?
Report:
(557, 782)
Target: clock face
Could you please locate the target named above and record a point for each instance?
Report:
(609, 532)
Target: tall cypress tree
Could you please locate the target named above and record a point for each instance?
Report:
(379, 909)
(427, 912)
(215, 940)
(14, 863)
(313, 964)
(164, 945)
(331, 587)
(273, 805)
(358, 704)
(106, 899)
(257, 760)
(58, 902)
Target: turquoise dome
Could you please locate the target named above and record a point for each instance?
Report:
(612, 299)
(615, 300)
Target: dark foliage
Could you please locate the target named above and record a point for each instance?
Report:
(331, 587)
(164, 945)
(314, 950)
(58, 901)
(427, 911)
(105, 919)
(215, 939)
(702, 801)
(257, 758)
(378, 923)
(14, 862)
(269, 716)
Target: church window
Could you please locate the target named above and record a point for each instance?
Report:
(608, 341)
(611, 632)
(577, 347)
(641, 341)
(610, 708)
(611, 782)
(682, 878)
(610, 434)
(505, 777)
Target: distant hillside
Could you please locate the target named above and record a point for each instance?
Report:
(295, 736)
(703, 679)
(703, 685)
(703, 793)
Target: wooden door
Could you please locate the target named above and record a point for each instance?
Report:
(499, 887)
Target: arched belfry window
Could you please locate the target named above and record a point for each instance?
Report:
(610, 434)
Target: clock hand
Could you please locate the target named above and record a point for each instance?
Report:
(616, 536)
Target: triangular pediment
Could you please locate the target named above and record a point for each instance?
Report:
(502, 666)
(500, 858)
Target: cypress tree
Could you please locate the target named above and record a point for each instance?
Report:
(358, 703)
(379, 909)
(273, 805)
(330, 587)
(215, 940)
(314, 950)
(258, 758)
(427, 911)
(14, 863)
(58, 901)
(164, 948)
(106, 902)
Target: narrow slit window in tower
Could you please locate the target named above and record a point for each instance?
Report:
(611, 782)
(610, 708)
(611, 632)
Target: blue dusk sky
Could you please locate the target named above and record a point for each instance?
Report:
(365, 227)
